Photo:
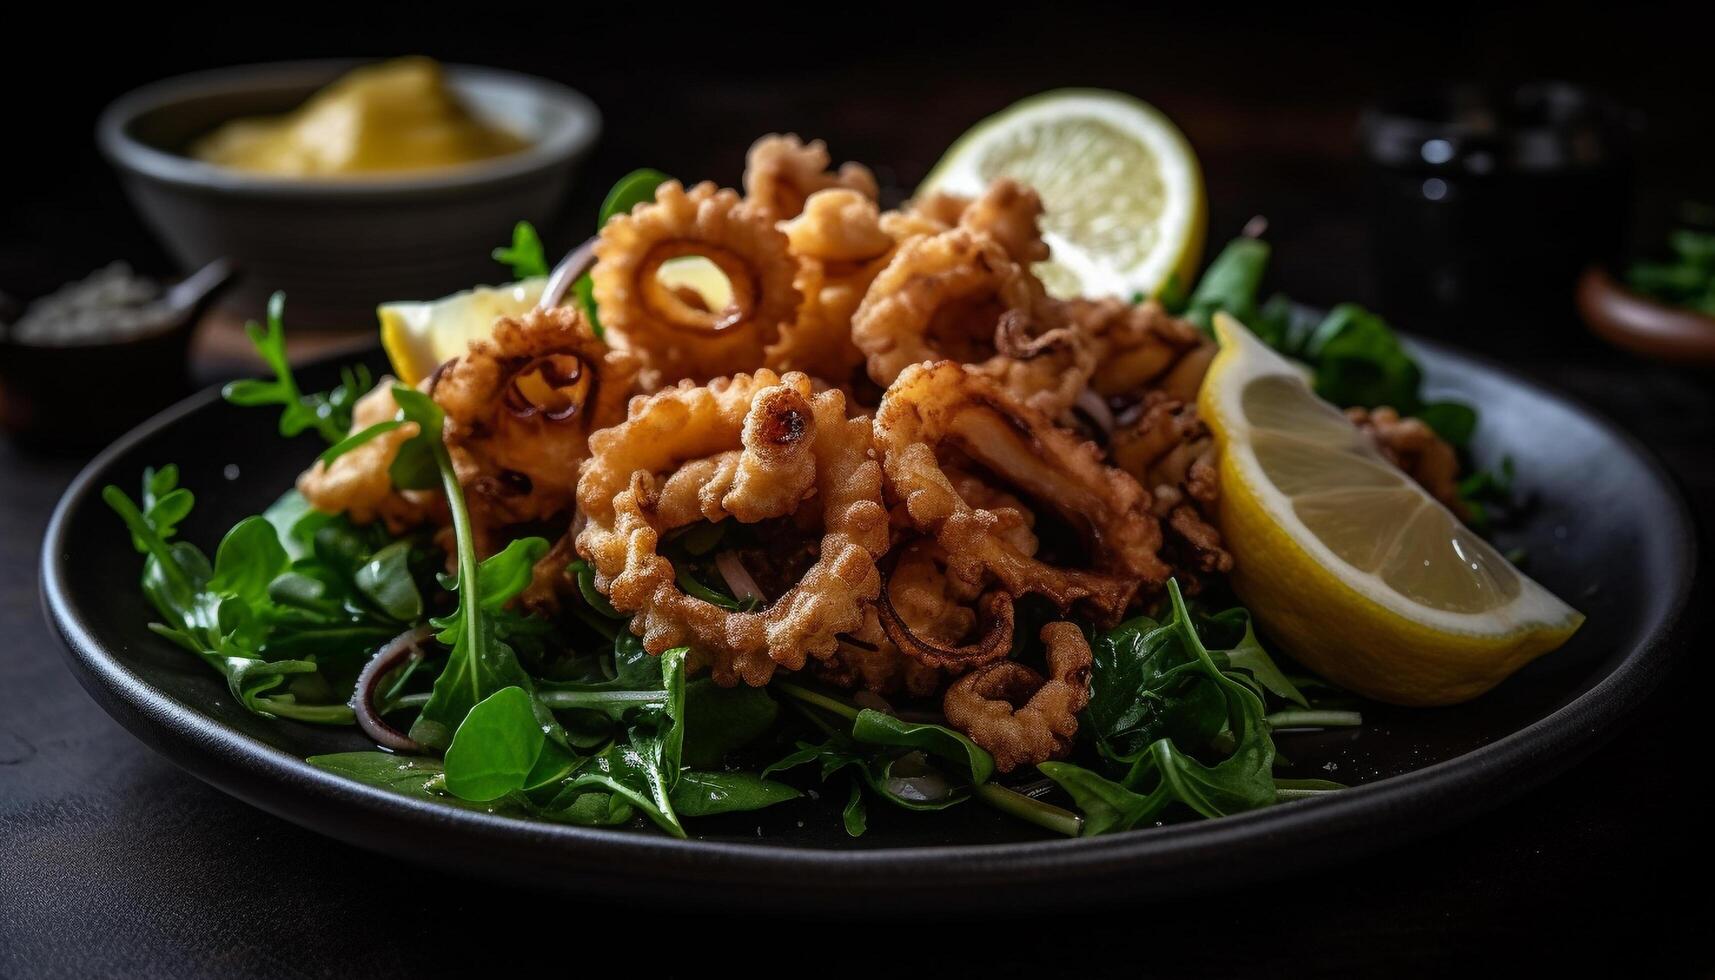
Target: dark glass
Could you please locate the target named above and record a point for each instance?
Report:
(1486, 204)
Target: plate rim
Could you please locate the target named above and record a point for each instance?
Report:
(1297, 834)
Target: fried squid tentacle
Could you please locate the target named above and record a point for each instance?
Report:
(1172, 453)
(1140, 348)
(948, 409)
(675, 335)
(781, 172)
(775, 425)
(520, 408)
(1021, 718)
(959, 296)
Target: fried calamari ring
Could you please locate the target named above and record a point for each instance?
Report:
(357, 483)
(520, 408)
(1021, 718)
(958, 296)
(946, 407)
(934, 606)
(841, 247)
(773, 423)
(1140, 348)
(1008, 212)
(781, 172)
(675, 337)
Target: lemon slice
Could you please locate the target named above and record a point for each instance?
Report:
(419, 336)
(1351, 566)
(1122, 189)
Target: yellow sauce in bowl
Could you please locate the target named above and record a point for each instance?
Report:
(387, 118)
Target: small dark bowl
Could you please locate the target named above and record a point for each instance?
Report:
(338, 247)
(1644, 325)
(72, 397)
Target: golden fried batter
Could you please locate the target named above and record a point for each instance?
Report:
(674, 337)
(520, 408)
(958, 296)
(1007, 211)
(1021, 718)
(1172, 453)
(1413, 446)
(781, 172)
(772, 420)
(1140, 348)
(357, 484)
(841, 247)
(945, 409)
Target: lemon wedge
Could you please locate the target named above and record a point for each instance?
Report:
(420, 336)
(1352, 567)
(1122, 189)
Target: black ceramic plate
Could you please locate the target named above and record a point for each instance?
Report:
(1606, 531)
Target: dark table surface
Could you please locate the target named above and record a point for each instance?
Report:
(113, 862)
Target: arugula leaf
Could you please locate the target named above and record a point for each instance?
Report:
(207, 609)
(1164, 772)
(702, 794)
(419, 777)
(879, 728)
(495, 748)
(720, 720)
(645, 766)
(480, 661)
(329, 414)
(854, 815)
(1359, 361)
(629, 191)
(1230, 283)
(1244, 652)
(525, 255)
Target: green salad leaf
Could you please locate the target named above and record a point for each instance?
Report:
(1686, 278)
(265, 620)
(1186, 695)
(525, 256)
(329, 415)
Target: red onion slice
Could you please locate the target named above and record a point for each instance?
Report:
(738, 577)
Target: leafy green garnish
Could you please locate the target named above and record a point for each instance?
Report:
(1159, 699)
(525, 255)
(329, 414)
(629, 191)
(481, 661)
(1687, 278)
(263, 616)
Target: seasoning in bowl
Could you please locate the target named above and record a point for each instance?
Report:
(110, 304)
(66, 358)
(385, 118)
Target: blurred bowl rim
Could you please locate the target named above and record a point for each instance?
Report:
(555, 147)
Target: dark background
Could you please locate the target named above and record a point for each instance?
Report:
(113, 862)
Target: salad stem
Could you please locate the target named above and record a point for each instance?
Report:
(822, 701)
(1303, 718)
(1045, 815)
(561, 700)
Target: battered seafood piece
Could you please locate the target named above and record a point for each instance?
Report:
(1008, 212)
(520, 409)
(958, 296)
(674, 335)
(781, 172)
(1172, 453)
(932, 607)
(780, 429)
(1140, 348)
(1021, 718)
(841, 247)
(946, 410)
(1411, 445)
(357, 483)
